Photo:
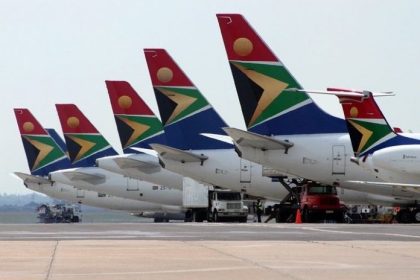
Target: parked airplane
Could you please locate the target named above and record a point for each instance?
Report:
(44, 153)
(286, 129)
(85, 144)
(186, 114)
(137, 127)
(388, 155)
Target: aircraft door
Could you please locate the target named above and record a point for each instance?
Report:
(80, 193)
(338, 160)
(245, 171)
(132, 184)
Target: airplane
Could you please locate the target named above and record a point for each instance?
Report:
(286, 130)
(85, 144)
(137, 127)
(44, 151)
(377, 147)
(186, 115)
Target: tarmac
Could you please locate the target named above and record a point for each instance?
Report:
(209, 251)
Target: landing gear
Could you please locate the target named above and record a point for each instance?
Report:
(416, 215)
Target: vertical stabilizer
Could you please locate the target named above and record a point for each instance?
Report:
(184, 111)
(43, 153)
(84, 143)
(265, 87)
(368, 128)
(137, 125)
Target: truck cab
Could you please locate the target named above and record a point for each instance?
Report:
(320, 202)
(226, 205)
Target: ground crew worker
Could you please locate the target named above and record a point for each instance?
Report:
(260, 210)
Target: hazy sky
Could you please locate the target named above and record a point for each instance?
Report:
(62, 51)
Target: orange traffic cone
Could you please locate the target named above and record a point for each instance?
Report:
(298, 219)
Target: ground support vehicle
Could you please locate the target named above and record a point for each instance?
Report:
(59, 213)
(316, 202)
(212, 204)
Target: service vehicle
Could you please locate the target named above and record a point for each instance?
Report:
(214, 205)
(59, 213)
(315, 201)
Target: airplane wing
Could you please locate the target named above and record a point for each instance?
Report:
(93, 179)
(142, 166)
(257, 141)
(177, 155)
(385, 184)
(410, 188)
(27, 178)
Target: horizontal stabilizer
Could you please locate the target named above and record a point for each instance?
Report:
(218, 137)
(177, 155)
(257, 141)
(145, 151)
(93, 179)
(403, 185)
(399, 189)
(27, 178)
(142, 166)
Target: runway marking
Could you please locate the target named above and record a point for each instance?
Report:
(301, 264)
(361, 233)
(157, 271)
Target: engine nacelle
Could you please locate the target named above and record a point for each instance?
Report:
(404, 159)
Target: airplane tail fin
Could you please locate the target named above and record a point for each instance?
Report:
(137, 125)
(184, 111)
(367, 126)
(84, 143)
(43, 152)
(271, 104)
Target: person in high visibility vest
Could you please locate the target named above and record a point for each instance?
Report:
(260, 209)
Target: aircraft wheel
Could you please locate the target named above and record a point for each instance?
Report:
(416, 215)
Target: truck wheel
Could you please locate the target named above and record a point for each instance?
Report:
(416, 215)
(158, 220)
(306, 216)
(243, 220)
(215, 217)
(339, 218)
(404, 216)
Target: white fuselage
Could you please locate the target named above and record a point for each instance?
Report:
(225, 169)
(118, 185)
(324, 158)
(397, 164)
(71, 194)
(153, 173)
